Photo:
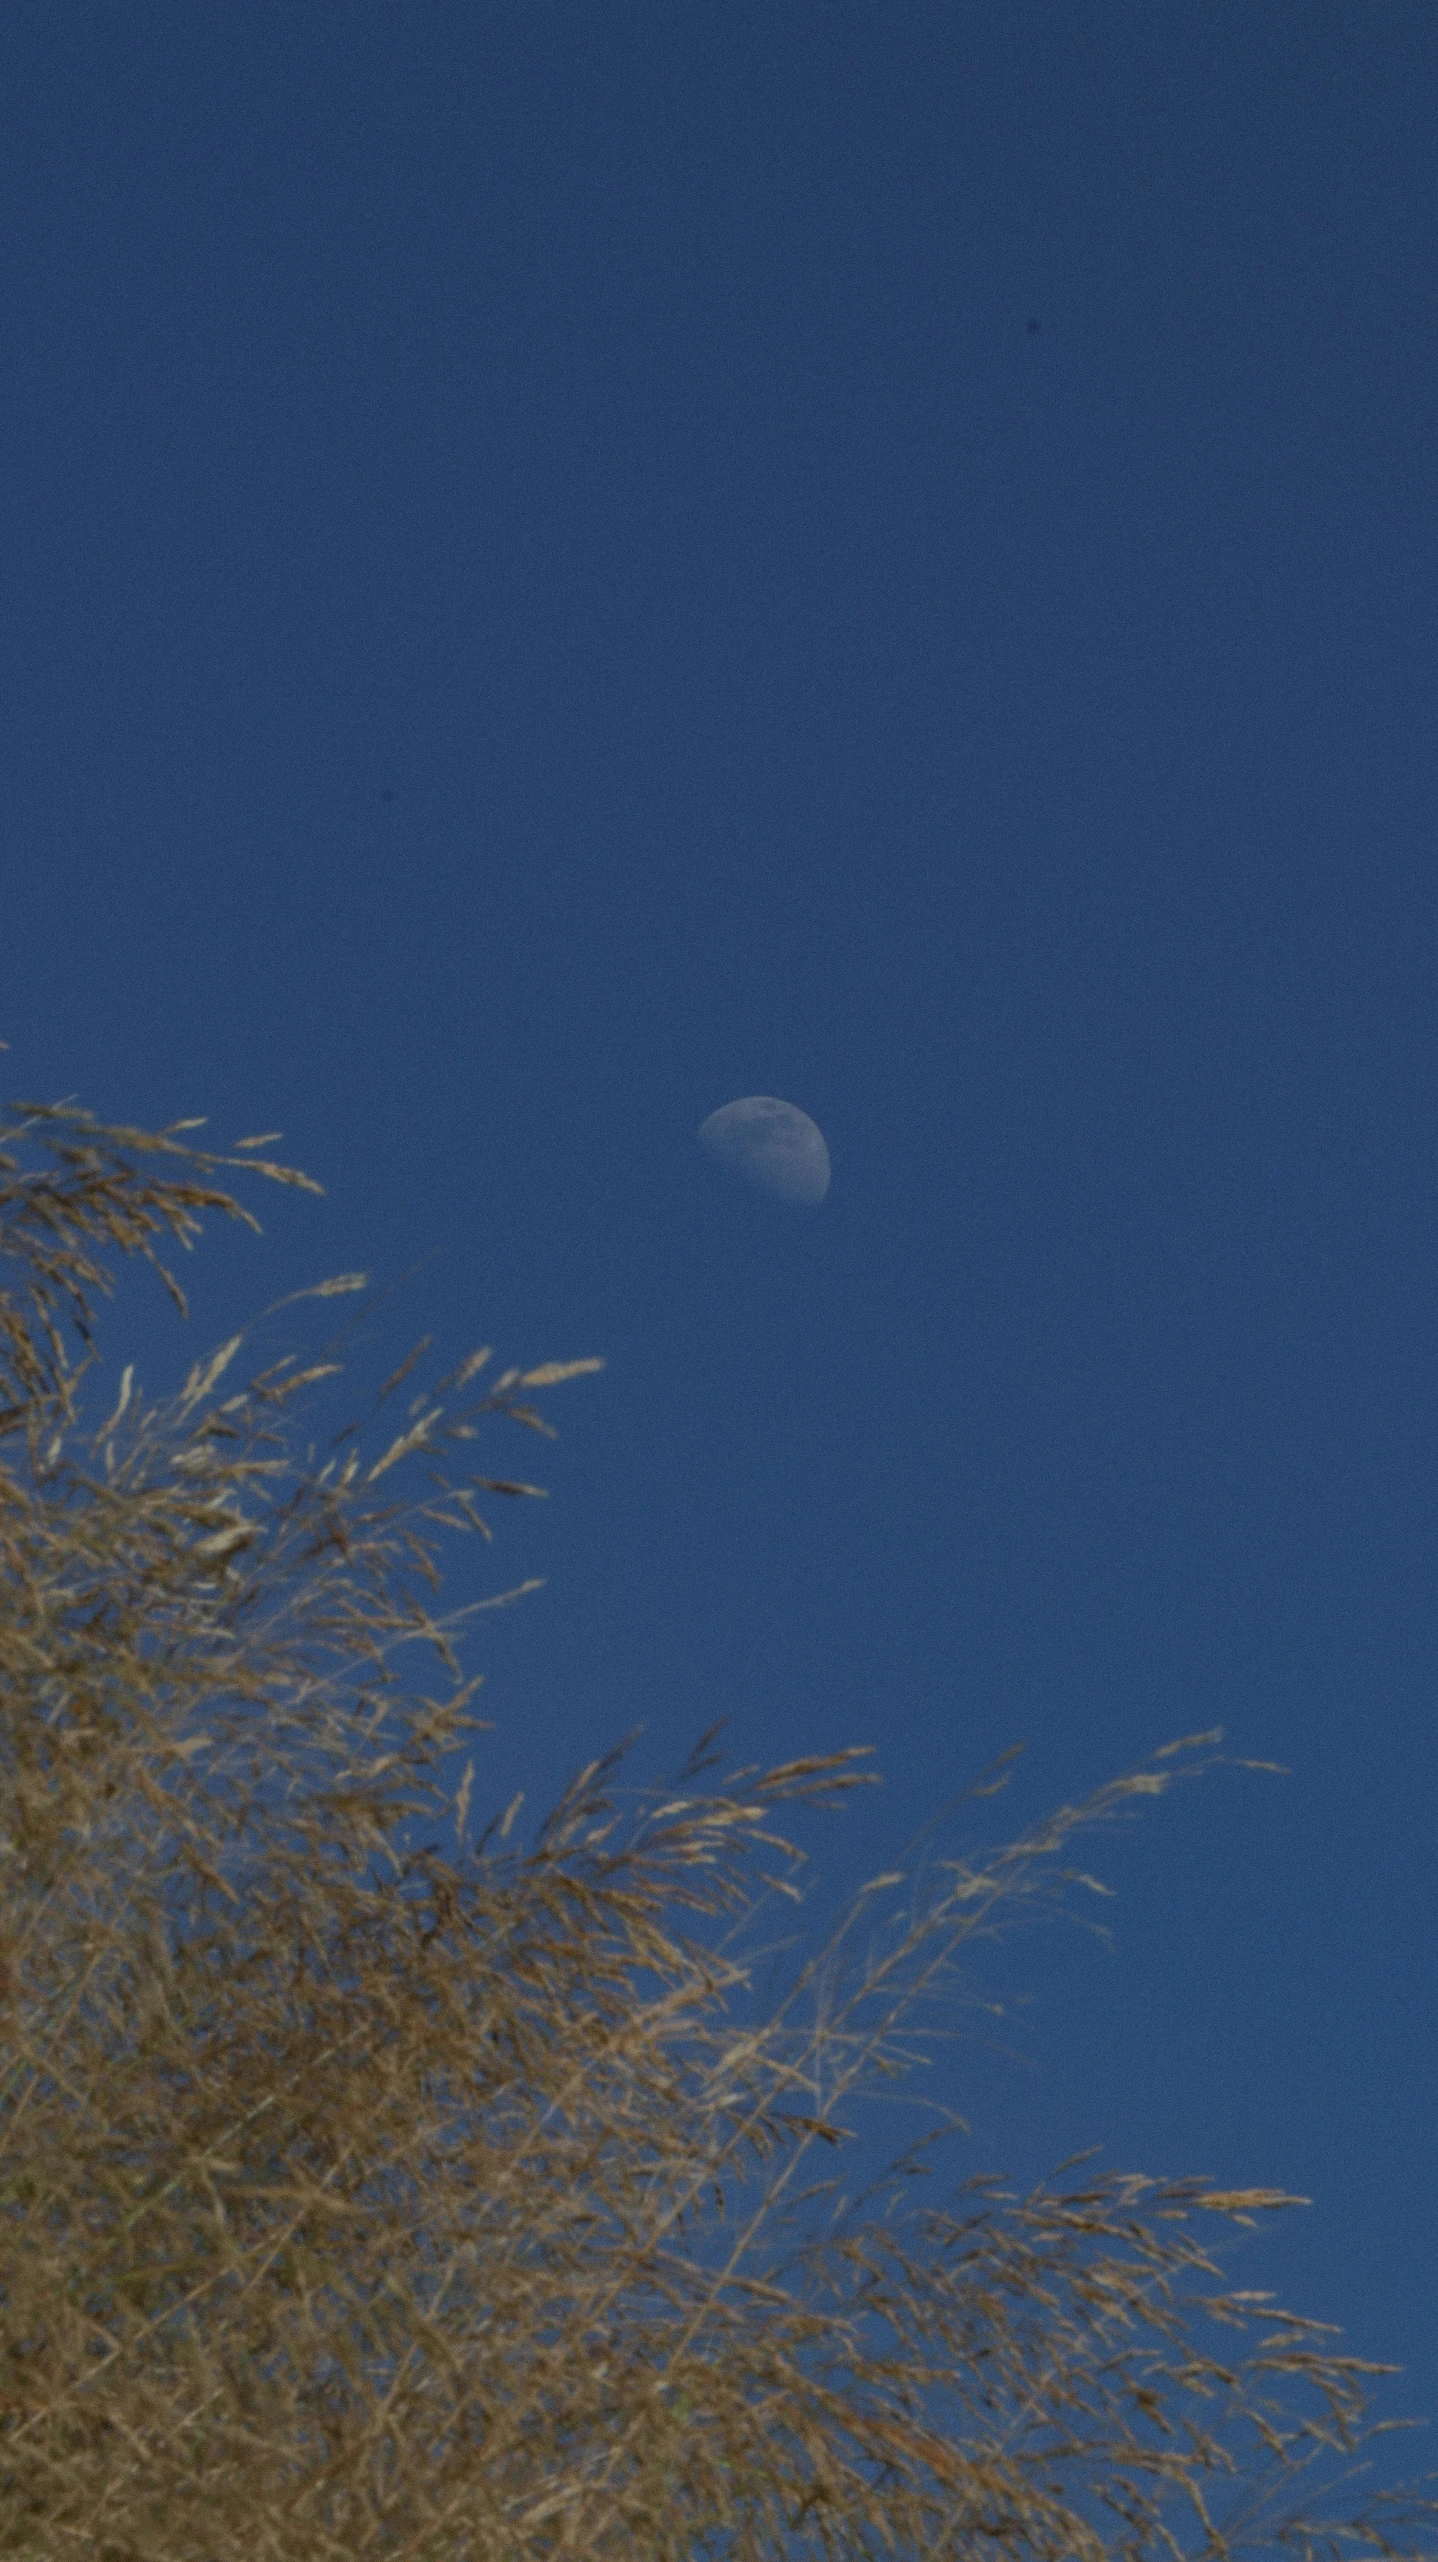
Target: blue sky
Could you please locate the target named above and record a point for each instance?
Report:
(564, 566)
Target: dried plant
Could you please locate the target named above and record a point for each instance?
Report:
(364, 2201)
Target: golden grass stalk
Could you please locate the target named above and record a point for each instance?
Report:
(357, 2200)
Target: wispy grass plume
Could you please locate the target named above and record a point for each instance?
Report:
(361, 2201)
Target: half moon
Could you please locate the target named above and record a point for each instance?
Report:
(773, 1145)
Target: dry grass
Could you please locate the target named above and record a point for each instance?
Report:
(366, 2203)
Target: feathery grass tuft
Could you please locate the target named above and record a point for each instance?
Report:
(359, 2201)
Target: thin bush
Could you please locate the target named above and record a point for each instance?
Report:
(363, 2200)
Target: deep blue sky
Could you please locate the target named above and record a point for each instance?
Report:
(550, 581)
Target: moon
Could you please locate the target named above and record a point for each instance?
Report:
(773, 1145)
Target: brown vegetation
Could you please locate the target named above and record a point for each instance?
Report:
(358, 2201)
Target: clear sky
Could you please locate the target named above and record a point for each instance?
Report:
(564, 565)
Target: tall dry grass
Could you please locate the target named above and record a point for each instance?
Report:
(361, 2201)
